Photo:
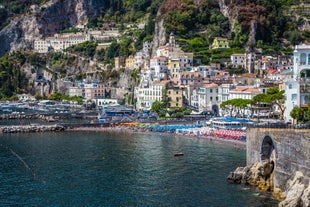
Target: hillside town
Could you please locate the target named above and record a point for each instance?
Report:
(168, 75)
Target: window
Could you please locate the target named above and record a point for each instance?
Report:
(294, 97)
(290, 86)
(303, 59)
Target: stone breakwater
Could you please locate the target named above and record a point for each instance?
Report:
(31, 128)
(19, 116)
(49, 117)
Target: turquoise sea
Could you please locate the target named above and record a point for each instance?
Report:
(119, 169)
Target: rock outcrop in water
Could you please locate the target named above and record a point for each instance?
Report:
(260, 174)
(297, 193)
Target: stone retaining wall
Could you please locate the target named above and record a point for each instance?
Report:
(289, 149)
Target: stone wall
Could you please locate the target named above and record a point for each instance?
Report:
(288, 148)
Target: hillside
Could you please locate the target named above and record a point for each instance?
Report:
(273, 25)
(245, 22)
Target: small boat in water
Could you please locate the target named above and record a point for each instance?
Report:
(178, 154)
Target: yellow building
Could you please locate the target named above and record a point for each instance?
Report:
(220, 43)
(130, 61)
(175, 98)
(174, 68)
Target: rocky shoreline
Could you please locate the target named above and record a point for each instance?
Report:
(260, 174)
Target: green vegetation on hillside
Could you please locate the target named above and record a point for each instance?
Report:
(12, 79)
(85, 49)
(13, 8)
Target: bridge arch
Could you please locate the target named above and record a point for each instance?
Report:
(267, 148)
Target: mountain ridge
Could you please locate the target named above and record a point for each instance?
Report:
(253, 17)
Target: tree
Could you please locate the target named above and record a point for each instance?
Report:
(239, 105)
(38, 96)
(273, 96)
(276, 97)
(297, 113)
(157, 106)
(57, 96)
(308, 113)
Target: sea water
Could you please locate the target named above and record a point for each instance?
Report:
(120, 169)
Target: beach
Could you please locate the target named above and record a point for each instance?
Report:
(136, 129)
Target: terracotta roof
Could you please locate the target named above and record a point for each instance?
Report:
(245, 90)
(219, 76)
(211, 85)
(163, 82)
(272, 71)
(248, 75)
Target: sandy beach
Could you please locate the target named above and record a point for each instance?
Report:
(131, 129)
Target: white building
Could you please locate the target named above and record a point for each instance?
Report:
(88, 91)
(297, 87)
(243, 92)
(238, 60)
(158, 67)
(205, 70)
(208, 98)
(224, 91)
(138, 60)
(147, 96)
(59, 42)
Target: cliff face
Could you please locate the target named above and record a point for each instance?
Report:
(46, 20)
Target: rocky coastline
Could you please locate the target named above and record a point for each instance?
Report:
(260, 174)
